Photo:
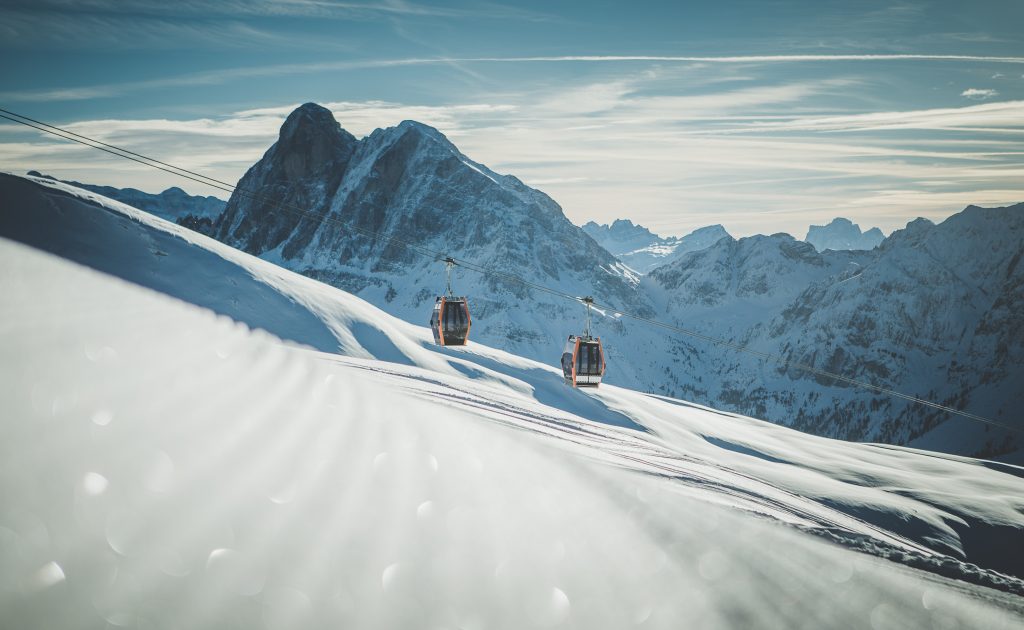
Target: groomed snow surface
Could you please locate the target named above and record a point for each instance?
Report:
(195, 438)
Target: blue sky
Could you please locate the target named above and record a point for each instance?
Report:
(764, 116)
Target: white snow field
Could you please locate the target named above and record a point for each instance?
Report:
(192, 437)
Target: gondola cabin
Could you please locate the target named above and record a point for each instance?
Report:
(450, 321)
(583, 361)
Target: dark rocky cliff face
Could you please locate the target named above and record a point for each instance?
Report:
(309, 158)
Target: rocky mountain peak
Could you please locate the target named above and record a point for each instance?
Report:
(625, 227)
(707, 230)
(309, 118)
(414, 126)
(307, 161)
(310, 141)
(914, 230)
(621, 236)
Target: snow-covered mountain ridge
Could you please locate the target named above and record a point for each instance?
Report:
(165, 465)
(923, 313)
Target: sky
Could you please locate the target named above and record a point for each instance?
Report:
(763, 115)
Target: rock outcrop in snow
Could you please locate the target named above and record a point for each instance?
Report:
(843, 234)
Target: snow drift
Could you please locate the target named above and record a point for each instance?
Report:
(168, 462)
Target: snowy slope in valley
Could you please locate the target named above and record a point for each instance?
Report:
(165, 467)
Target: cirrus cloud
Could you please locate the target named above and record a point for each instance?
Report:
(979, 94)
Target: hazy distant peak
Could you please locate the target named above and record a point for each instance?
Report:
(842, 233)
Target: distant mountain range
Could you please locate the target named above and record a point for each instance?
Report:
(934, 310)
(642, 250)
(173, 204)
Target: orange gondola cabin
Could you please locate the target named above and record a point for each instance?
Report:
(583, 361)
(450, 320)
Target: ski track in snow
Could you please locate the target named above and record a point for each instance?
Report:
(162, 465)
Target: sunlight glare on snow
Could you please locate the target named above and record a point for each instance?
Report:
(390, 575)
(286, 492)
(713, 565)
(642, 614)
(123, 530)
(228, 568)
(102, 417)
(425, 510)
(94, 483)
(171, 563)
(47, 575)
(548, 607)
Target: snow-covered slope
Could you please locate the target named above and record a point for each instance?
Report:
(643, 250)
(843, 234)
(161, 466)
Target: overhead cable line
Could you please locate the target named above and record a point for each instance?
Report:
(486, 271)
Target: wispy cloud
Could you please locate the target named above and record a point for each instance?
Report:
(752, 58)
(998, 118)
(241, 73)
(329, 9)
(29, 29)
(979, 94)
